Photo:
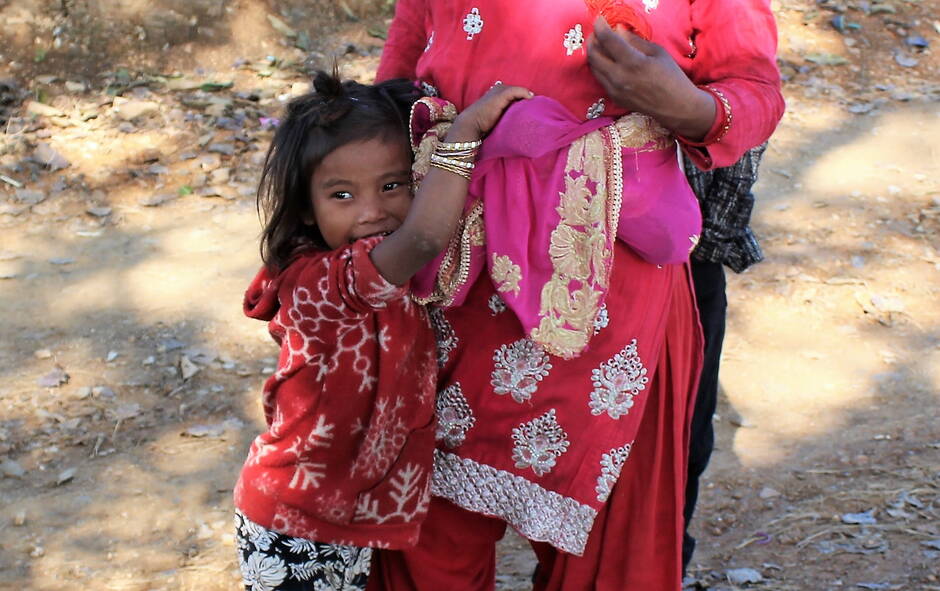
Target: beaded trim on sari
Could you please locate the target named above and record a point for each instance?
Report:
(537, 513)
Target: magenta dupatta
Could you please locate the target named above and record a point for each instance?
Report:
(549, 195)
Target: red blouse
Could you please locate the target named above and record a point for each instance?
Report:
(350, 409)
(460, 48)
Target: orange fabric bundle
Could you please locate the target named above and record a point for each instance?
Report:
(618, 12)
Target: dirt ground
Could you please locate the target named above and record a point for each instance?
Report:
(132, 138)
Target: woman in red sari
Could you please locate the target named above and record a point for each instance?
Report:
(567, 373)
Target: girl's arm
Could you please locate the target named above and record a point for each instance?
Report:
(439, 202)
(406, 41)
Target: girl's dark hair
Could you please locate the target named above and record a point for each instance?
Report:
(334, 114)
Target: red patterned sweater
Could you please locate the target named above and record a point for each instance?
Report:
(350, 410)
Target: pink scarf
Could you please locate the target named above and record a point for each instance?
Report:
(549, 195)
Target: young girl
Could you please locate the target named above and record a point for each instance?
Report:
(344, 464)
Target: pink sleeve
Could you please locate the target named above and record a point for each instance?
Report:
(735, 60)
(407, 38)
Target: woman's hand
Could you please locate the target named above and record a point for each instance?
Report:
(480, 117)
(641, 76)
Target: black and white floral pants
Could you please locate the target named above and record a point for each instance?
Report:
(274, 562)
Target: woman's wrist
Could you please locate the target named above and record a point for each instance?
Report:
(695, 119)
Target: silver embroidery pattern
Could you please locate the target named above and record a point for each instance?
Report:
(596, 110)
(496, 304)
(473, 23)
(650, 5)
(444, 335)
(518, 368)
(574, 39)
(602, 319)
(616, 382)
(454, 417)
(429, 89)
(538, 514)
(611, 464)
(539, 443)
(430, 41)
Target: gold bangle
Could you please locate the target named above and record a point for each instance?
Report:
(451, 146)
(727, 107)
(450, 168)
(458, 171)
(466, 155)
(438, 159)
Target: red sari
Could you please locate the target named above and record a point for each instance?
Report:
(491, 446)
(584, 456)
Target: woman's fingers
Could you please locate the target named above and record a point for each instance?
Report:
(647, 48)
(619, 47)
(502, 96)
(616, 78)
(639, 75)
(594, 44)
(601, 62)
(490, 107)
(511, 93)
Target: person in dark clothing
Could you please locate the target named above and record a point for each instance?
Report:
(727, 201)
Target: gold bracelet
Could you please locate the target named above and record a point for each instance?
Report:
(438, 159)
(451, 146)
(464, 172)
(727, 108)
(451, 169)
(465, 155)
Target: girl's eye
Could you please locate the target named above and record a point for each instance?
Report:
(343, 195)
(393, 186)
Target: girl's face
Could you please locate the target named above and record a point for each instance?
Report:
(361, 189)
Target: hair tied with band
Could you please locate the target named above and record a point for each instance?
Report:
(335, 102)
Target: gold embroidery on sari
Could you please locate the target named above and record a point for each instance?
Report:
(637, 131)
(455, 266)
(580, 247)
(506, 274)
(441, 117)
(422, 163)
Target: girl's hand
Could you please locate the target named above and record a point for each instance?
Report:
(641, 76)
(480, 117)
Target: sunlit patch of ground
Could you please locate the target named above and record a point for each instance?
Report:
(123, 474)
